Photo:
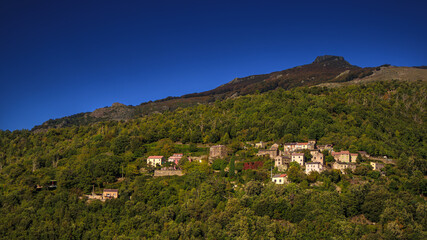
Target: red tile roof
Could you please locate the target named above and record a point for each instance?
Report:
(154, 157)
(279, 175)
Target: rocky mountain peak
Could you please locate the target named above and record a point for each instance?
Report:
(117, 104)
(328, 58)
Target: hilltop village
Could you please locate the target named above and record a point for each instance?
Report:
(308, 157)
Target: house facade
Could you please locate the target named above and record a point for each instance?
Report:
(281, 162)
(272, 153)
(274, 146)
(317, 157)
(218, 151)
(342, 166)
(110, 193)
(280, 179)
(313, 167)
(353, 157)
(175, 158)
(343, 156)
(328, 147)
(377, 166)
(155, 160)
(299, 158)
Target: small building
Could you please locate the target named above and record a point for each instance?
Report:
(218, 151)
(353, 157)
(317, 157)
(311, 144)
(343, 156)
(377, 166)
(175, 158)
(110, 193)
(299, 158)
(328, 147)
(301, 146)
(155, 160)
(280, 179)
(342, 166)
(272, 153)
(313, 167)
(363, 154)
(274, 146)
(260, 145)
(281, 162)
(289, 147)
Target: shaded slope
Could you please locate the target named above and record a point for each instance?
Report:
(324, 70)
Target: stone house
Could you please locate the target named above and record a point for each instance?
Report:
(261, 145)
(317, 157)
(290, 147)
(311, 144)
(281, 162)
(270, 152)
(299, 158)
(110, 193)
(377, 166)
(363, 154)
(328, 147)
(155, 160)
(313, 167)
(342, 166)
(343, 156)
(280, 179)
(353, 157)
(218, 151)
(274, 146)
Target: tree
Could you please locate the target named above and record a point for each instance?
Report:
(295, 174)
(231, 169)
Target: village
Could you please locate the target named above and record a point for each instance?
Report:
(309, 156)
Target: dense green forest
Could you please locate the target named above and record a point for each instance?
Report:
(210, 201)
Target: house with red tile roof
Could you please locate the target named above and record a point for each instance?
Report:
(155, 160)
(280, 179)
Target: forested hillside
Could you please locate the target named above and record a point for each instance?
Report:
(209, 201)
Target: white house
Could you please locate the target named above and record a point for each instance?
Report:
(299, 158)
(280, 179)
(313, 167)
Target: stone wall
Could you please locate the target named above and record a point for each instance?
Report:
(162, 173)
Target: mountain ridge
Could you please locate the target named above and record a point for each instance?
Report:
(327, 71)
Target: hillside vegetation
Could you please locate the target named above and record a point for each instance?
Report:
(381, 118)
(323, 70)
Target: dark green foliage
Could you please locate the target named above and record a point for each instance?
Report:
(384, 118)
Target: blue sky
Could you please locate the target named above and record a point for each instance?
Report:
(59, 58)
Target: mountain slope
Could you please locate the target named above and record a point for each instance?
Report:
(327, 70)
